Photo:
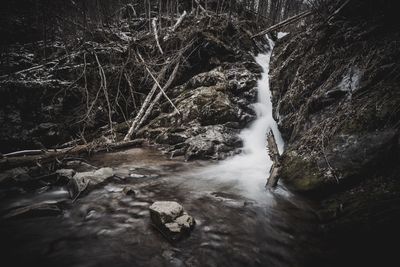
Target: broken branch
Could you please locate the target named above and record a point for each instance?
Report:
(284, 23)
(154, 24)
(274, 155)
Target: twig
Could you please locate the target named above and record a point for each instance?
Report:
(154, 24)
(201, 7)
(103, 82)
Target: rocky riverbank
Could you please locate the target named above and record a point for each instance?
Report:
(335, 88)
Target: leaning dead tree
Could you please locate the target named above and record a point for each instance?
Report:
(275, 157)
(147, 105)
(284, 23)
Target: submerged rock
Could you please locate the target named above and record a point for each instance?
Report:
(171, 220)
(129, 191)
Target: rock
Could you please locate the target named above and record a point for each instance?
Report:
(65, 173)
(185, 221)
(82, 180)
(136, 175)
(214, 106)
(171, 220)
(35, 210)
(129, 191)
(165, 211)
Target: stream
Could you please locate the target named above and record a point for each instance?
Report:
(238, 222)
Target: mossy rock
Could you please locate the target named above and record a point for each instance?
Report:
(301, 175)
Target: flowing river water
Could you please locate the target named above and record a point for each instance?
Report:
(238, 222)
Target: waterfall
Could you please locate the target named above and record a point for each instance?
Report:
(250, 168)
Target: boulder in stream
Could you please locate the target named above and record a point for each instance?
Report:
(82, 180)
(171, 220)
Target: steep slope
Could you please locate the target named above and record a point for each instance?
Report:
(336, 94)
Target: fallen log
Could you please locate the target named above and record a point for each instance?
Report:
(120, 145)
(275, 157)
(284, 23)
(56, 154)
(32, 160)
(25, 153)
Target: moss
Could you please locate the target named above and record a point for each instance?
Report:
(301, 175)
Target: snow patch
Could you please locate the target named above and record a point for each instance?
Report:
(282, 34)
(351, 80)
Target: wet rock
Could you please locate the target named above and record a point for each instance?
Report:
(35, 210)
(66, 174)
(165, 211)
(185, 221)
(214, 106)
(171, 220)
(129, 191)
(82, 180)
(136, 175)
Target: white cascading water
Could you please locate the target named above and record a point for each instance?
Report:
(250, 169)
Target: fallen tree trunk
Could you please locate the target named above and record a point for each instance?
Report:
(56, 154)
(284, 23)
(276, 166)
(25, 153)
